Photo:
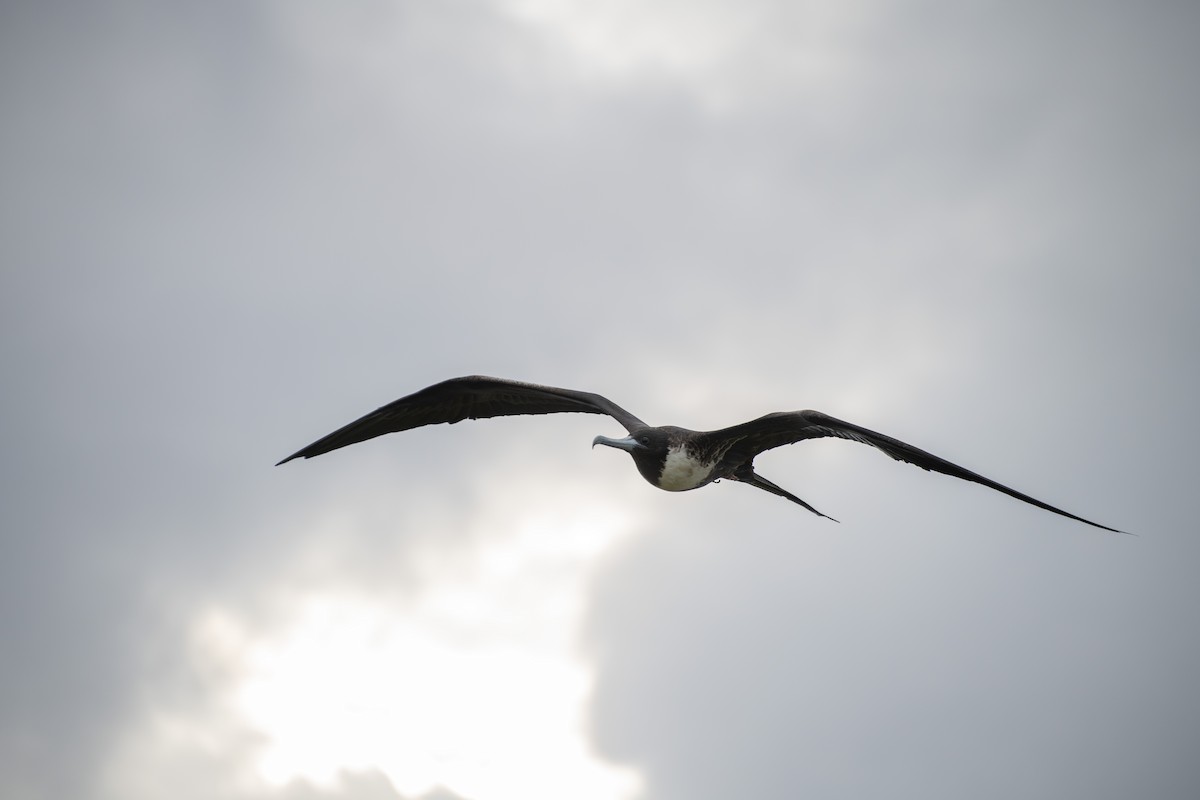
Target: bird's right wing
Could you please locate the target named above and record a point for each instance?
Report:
(788, 427)
(474, 397)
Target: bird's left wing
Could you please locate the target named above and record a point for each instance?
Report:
(473, 397)
(788, 427)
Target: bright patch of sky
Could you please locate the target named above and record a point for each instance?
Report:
(473, 684)
(720, 50)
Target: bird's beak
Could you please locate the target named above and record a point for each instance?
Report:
(628, 443)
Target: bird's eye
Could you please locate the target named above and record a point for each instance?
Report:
(644, 439)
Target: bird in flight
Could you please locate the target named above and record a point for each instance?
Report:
(671, 458)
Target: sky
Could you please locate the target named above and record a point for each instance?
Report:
(229, 228)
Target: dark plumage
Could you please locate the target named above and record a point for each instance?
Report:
(674, 459)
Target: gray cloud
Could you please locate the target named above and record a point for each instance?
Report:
(227, 230)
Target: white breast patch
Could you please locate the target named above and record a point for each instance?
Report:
(682, 472)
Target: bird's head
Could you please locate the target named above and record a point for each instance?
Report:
(648, 446)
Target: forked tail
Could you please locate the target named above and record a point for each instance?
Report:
(746, 474)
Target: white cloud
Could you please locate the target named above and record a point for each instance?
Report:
(724, 53)
(472, 682)
(627, 35)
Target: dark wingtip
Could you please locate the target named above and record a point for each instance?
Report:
(289, 458)
(1096, 524)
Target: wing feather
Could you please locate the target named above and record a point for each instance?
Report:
(472, 397)
(789, 427)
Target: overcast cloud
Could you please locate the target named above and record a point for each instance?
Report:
(229, 228)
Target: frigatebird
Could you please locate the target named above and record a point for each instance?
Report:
(671, 458)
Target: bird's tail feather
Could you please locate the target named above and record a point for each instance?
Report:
(746, 474)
